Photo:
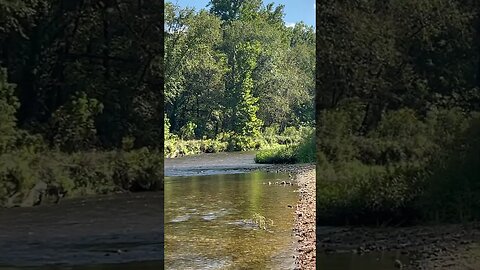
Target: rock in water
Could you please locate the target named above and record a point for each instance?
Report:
(35, 195)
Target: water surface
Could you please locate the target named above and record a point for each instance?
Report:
(122, 231)
(208, 222)
(208, 164)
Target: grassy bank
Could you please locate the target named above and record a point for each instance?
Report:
(304, 152)
(79, 174)
(270, 139)
(410, 169)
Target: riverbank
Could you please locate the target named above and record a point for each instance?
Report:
(427, 247)
(305, 221)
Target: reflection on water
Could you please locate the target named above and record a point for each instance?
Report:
(370, 261)
(208, 222)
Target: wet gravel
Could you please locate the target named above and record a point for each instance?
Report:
(305, 220)
(427, 247)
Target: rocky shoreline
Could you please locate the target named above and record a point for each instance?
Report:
(427, 247)
(305, 221)
(305, 213)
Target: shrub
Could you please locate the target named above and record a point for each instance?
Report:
(73, 125)
(187, 132)
(277, 155)
(81, 173)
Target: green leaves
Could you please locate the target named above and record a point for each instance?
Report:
(246, 121)
(73, 125)
(237, 68)
(8, 107)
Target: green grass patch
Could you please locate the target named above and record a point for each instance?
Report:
(279, 155)
(305, 152)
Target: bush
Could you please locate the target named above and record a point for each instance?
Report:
(81, 173)
(304, 152)
(73, 124)
(230, 141)
(452, 189)
(367, 195)
(187, 132)
(335, 136)
(277, 155)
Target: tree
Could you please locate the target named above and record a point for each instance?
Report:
(8, 107)
(246, 121)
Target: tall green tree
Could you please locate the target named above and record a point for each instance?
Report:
(245, 119)
(8, 107)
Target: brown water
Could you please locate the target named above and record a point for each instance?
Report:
(122, 231)
(208, 222)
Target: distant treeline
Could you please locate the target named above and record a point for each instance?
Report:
(236, 68)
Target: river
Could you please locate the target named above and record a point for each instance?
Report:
(211, 203)
(122, 231)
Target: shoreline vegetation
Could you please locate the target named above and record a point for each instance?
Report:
(34, 178)
(291, 146)
(398, 129)
(398, 150)
(237, 79)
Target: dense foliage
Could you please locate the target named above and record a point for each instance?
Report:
(234, 70)
(78, 77)
(90, 71)
(397, 128)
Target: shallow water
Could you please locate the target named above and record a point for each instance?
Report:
(208, 222)
(208, 164)
(87, 233)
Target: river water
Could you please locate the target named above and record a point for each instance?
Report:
(122, 231)
(210, 213)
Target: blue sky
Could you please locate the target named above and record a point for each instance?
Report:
(295, 10)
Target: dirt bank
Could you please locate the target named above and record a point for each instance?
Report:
(427, 247)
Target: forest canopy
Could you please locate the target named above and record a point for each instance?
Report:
(236, 68)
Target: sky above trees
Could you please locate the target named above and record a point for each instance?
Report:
(295, 11)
